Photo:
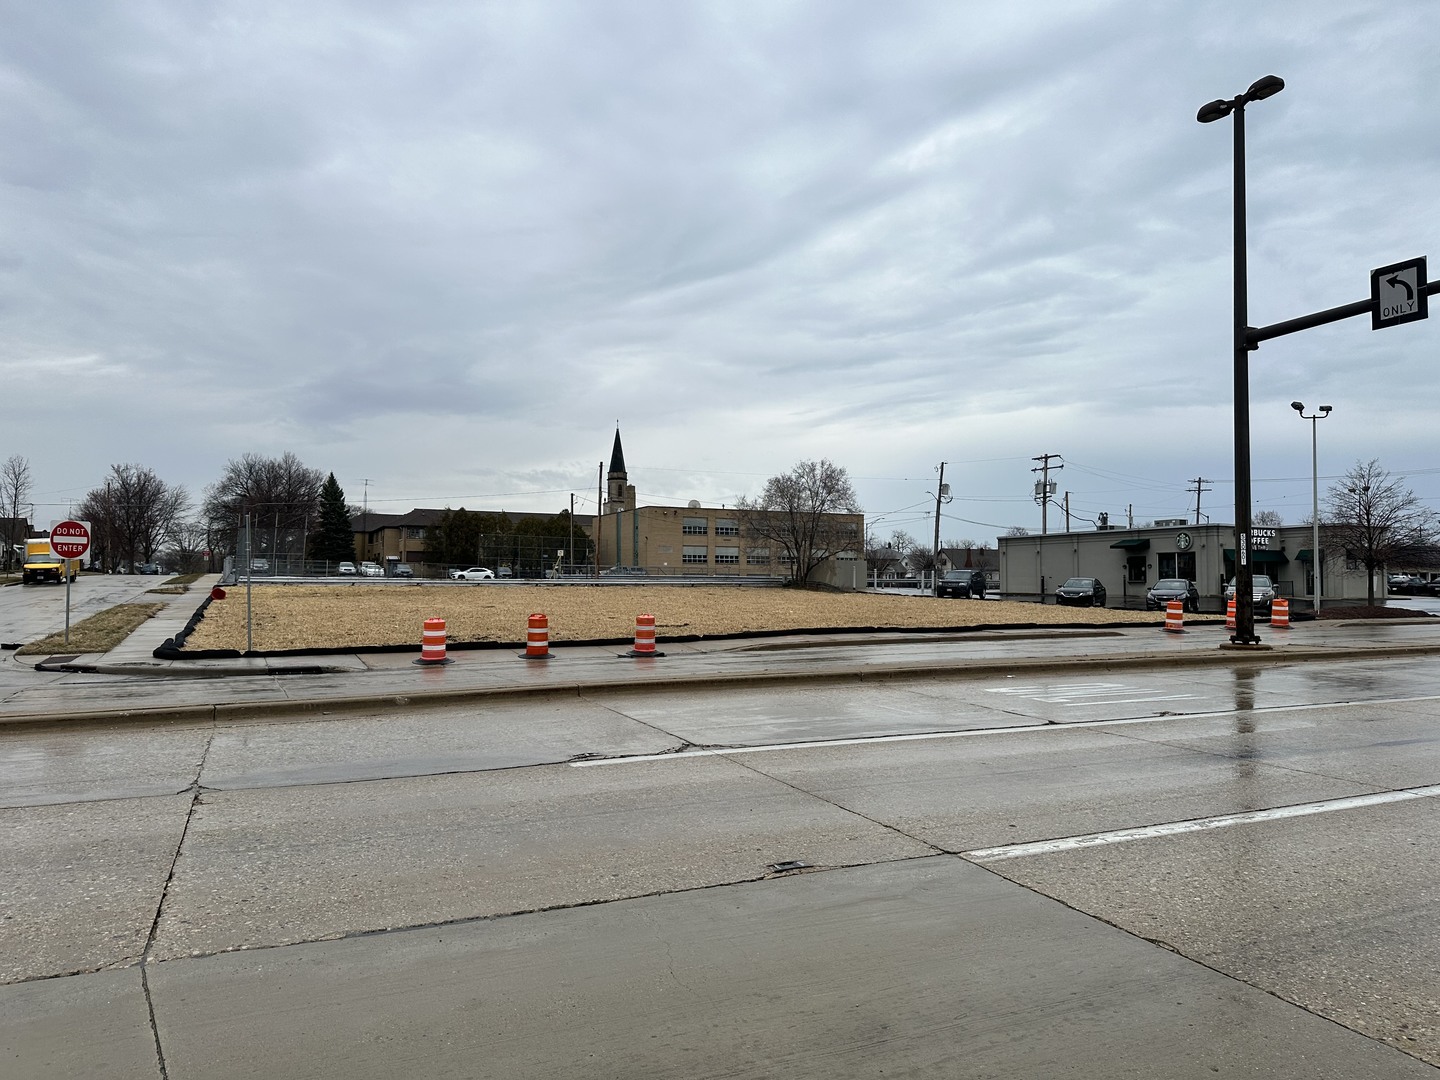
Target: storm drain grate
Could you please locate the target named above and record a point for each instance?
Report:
(789, 864)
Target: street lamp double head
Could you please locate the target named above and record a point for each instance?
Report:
(1315, 562)
(1260, 89)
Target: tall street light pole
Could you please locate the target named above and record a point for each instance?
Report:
(1299, 407)
(1244, 633)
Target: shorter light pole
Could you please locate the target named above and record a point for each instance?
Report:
(1324, 411)
(942, 495)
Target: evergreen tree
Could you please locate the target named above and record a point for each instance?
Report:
(335, 540)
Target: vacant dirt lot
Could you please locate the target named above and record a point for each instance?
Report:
(352, 615)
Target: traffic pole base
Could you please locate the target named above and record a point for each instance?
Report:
(1246, 646)
(535, 656)
(432, 663)
(638, 655)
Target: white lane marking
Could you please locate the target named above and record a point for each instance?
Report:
(1087, 693)
(1175, 828)
(1030, 688)
(1122, 701)
(873, 740)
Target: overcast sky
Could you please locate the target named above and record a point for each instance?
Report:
(446, 247)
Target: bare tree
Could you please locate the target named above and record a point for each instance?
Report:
(880, 557)
(1017, 530)
(282, 495)
(918, 556)
(15, 488)
(187, 550)
(804, 514)
(1267, 519)
(1377, 521)
(133, 514)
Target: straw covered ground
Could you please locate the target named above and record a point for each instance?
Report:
(362, 614)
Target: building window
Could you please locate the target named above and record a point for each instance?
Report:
(414, 532)
(695, 526)
(694, 554)
(727, 556)
(727, 527)
(757, 557)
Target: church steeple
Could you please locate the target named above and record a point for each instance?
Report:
(619, 495)
(617, 456)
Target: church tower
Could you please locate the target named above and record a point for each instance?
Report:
(619, 494)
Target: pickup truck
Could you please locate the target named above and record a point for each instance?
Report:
(475, 573)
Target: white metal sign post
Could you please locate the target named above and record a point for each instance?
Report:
(69, 540)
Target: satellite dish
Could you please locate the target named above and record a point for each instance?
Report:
(693, 504)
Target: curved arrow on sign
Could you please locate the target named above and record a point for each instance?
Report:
(1396, 279)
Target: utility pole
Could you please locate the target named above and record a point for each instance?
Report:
(1043, 490)
(571, 549)
(1067, 511)
(942, 494)
(1199, 481)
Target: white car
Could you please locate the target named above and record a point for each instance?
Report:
(475, 573)
(346, 568)
(370, 569)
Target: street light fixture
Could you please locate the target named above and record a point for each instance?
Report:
(1324, 411)
(1260, 89)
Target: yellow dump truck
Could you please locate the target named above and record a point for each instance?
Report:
(42, 564)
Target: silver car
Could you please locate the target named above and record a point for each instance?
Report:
(1262, 589)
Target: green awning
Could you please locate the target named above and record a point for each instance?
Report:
(1134, 543)
(1303, 555)
(1261, 556)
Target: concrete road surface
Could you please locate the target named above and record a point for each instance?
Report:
(1146, 873)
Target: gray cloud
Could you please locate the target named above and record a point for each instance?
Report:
(750, 232)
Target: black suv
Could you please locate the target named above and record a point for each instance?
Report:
(964, 584)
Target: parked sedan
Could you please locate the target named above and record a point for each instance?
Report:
(474, 573)
(1081, 592)
(347, 568)
(1408, 585)
(370, 569)
(1167, 589)
(403, 570)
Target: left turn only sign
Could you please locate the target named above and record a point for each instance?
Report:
(1398, 294)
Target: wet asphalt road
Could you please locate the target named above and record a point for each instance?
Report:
(29, 612)
(1141, 874)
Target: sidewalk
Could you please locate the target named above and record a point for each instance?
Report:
(129, 683)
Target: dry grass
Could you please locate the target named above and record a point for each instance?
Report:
(97, 634)
(352, 615)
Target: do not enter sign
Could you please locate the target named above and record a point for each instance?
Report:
(70, 539)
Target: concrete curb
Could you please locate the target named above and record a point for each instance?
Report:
(360, 703)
